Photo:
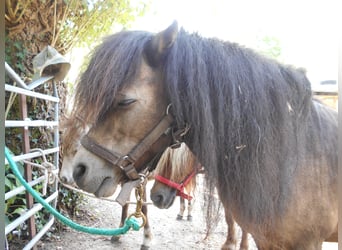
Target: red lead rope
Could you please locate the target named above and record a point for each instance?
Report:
(178, 187)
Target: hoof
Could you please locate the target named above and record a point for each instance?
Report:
(189, 218)
(143, 247)
(114, 239)
(179, 217)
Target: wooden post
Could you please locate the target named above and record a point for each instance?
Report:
(28, 170)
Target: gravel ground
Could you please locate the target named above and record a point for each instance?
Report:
(168, 233)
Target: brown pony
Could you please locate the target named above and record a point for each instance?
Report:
(72, 131)
(267, 146)
(179, 166)
(177, 169)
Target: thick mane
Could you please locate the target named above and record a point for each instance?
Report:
(246, 113)
(113, 63)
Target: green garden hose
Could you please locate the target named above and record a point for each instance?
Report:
(129, 223)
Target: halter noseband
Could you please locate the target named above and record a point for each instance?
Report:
(180, 186)
(155, 142)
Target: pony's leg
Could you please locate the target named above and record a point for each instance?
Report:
(230, 243)
(124, 212)
(244, 240)
(181, 209)
(189, 210)
(147, 230)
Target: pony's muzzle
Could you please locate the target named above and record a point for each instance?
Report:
(163, 199)
(66, 180)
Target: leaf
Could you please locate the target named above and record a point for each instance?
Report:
(21, 168)
(19, 211)
(8, 183)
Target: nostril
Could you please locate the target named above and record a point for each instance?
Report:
(79, 172)
(63, 179)
(157, 198)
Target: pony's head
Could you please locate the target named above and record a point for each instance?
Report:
(120, 95)
(176, 169)
(73, 128)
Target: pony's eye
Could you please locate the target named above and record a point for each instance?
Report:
(126, 102)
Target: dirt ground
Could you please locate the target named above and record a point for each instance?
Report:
(168, 233)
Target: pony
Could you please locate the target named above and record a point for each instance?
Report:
(267, 146)
(178, 167)
(72, 130)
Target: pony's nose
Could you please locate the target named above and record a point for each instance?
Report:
(79, 172)
(157, 199)
(66, 180)
(66, 177)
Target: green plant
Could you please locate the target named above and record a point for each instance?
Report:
(15, 54)
(69, 201)
(15, 205)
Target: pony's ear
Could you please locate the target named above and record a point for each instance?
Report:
(157, 47)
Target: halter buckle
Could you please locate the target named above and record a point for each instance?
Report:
(178, 135)
(122, 160)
